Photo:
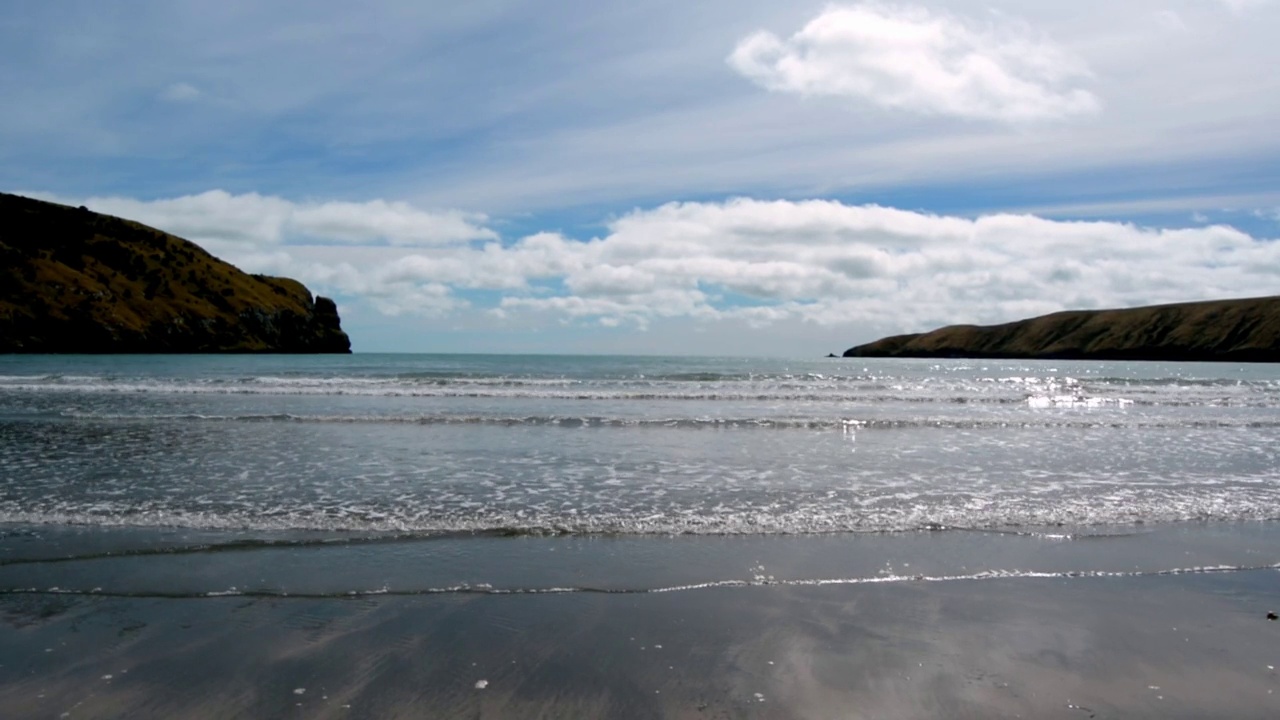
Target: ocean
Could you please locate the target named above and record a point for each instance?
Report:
(418, 482)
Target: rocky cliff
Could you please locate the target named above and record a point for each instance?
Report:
(1221, 330)
(74, 281)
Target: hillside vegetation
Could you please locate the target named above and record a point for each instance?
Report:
(1245, 330)
(75, 281)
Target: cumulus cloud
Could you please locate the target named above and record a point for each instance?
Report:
(914, 59)
(754, 262)
(217, 219)
(818, 261)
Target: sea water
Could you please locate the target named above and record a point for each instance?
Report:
(366, 474)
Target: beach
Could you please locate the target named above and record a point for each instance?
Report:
(1195, 643)
(435, 536)
(645, 360)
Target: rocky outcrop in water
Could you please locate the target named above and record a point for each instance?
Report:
(1221, 330)
(75, 281)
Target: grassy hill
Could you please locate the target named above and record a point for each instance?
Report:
(76, 281)
(1245, 330)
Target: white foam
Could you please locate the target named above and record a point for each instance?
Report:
(570, 508)
(1076, 401)
(815, 388)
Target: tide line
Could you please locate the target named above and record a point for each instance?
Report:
(485, 589)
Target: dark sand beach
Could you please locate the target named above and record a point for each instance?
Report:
(1193, 643)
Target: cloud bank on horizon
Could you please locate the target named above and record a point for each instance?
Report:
(738, 177)
(756, 262)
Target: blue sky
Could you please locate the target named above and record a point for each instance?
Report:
(734, 177)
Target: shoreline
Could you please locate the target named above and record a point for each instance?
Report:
(1133, 647)
(1102, 642)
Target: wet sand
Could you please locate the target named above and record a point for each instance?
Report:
(1192, 645)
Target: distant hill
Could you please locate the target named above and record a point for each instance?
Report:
(1220, 330)
(74, 281)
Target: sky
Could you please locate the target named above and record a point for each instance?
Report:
(722, 177)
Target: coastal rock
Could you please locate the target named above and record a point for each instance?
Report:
(1246, 330)
(75, 281)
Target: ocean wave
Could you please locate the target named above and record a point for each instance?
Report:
(694, 423)
(1076, 401)
(512, 391)
(1037, 402)
(968, 512)
(354, 539)
(1035, 392)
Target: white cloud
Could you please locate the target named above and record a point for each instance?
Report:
(822, 262)
(430, 300)
(217, 219)
(215, 215)
(911, 58)
(395, 222)
(756, 263)
(537, 114)
(831, 263)
(181, 92)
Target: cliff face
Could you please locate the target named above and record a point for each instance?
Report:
(74, 281)
(1221, 330)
